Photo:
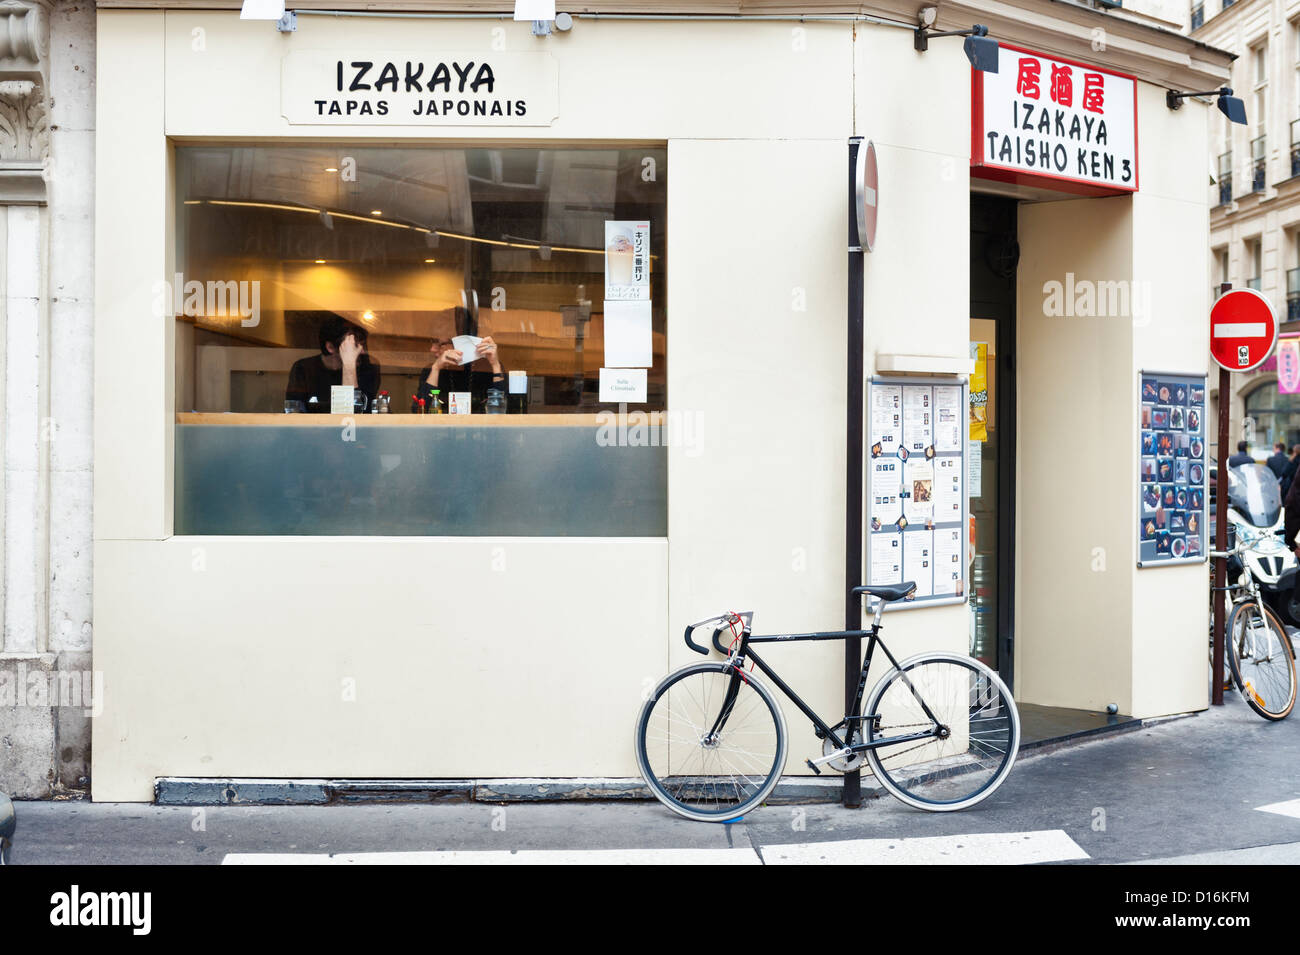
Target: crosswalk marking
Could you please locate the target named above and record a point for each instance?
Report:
(506, 857)
(1289, 808)
(983, 848)
(988, 848)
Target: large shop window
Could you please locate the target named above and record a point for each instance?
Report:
(1276, 418)
(330, 303)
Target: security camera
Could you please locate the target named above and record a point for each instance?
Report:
(927, 15)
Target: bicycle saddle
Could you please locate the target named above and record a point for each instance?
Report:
(888, 594)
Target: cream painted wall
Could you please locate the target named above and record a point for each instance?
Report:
(235, 656)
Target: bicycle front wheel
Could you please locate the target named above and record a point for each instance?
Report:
(973, 727)
(711, 742)
(1259, 655)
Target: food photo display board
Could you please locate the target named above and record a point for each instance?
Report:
(916, 488)
(1173, 466)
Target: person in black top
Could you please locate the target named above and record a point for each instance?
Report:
(342, 361)
(1241, 457)
(1278, 462)
(1292, 466)
(447, 374)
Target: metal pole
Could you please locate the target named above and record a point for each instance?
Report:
(1220, 526)
(853, 472)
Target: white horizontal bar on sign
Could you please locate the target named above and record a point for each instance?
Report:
(1239, 330)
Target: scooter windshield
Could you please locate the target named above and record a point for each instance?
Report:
(1253, 492)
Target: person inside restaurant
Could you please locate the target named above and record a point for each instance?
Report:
(342, 361)
(449, 373)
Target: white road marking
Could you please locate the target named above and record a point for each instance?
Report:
(1290, 808)
(985, 848)
(990, 848)
(505, 857)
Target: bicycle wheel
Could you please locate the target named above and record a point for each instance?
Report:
(710, 742)
(976, 727)
(1259, 656)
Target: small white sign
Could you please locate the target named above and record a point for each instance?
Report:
(341, 399)
(627, 261)
(623, 385)
(458, 402)
(518, 382)
(628, 337)
(534, 9)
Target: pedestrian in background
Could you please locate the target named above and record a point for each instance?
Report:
(1241, 457)
(1292, 466)
(1278, 462)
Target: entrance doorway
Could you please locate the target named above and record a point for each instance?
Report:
(994, 254)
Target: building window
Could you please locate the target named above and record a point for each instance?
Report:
(1198, 15)
(1225, 178)
(1258, 163)
(1259, 78)
(1293, 295)
(1276, 416)
(1255, 255)
(414, 256)
(1295, 147)
(1221, 268)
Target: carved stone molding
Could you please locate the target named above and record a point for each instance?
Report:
(24, 101)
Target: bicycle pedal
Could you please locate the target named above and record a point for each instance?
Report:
(813, 766)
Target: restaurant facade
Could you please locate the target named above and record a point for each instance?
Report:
(638, 224)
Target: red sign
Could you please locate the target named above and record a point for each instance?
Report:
(1044, 121)
(867, 181)
(1243, 330)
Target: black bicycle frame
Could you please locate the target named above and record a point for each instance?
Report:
(823, 730)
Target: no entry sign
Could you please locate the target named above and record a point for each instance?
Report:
(1243, 330)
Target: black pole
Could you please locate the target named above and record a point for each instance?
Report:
(1220, 526)
(853, 471)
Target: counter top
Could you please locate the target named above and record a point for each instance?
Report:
(244, 420)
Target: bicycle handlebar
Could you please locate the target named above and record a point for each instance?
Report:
(721, 619)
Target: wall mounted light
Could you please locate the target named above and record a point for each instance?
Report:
(1229, 105)
(980, 48)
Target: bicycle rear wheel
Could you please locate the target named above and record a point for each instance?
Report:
(976, 727)
(1259, 655)
(711, 742)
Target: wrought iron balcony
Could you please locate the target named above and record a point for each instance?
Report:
(1225, 179)
(1258, 163)
(1293, 295)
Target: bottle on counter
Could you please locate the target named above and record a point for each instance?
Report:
(382, 401)
(435, 401)
(495, 402)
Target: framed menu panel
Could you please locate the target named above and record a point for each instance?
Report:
(916, 487)
(1173, 468)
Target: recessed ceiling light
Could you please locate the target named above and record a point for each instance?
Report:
(331, 168)
(320, 261)
(367, 316)
(376, 212)
(430, 261)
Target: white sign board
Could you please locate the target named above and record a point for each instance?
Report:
(1056, 123)
(387, 88)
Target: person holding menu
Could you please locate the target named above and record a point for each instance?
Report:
(449, 372)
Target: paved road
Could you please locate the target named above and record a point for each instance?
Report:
(1187, 790)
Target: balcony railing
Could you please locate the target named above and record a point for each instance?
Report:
(1257, 164)
(1198, 16)
(1295, 147)
(1225, 179)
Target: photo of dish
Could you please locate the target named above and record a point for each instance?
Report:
(1169, 497)
(1148, 389)
(1148, 442)
(1178, 548)
(1197, 395)
(1194, 499)
(1150, 497)
(1164, 443)
(1148, 469)
(1177, 418)
(1193, 545)
(1194, 421)
(1163, 394)
(1165, 469)
(1160, 418)
(1180, 498)
(1197, 447)
(1193, 522)
(1180, 395)
(1197, 474)
(1148, 530)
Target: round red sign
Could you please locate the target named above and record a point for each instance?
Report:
(868, 189)
(1243, 329)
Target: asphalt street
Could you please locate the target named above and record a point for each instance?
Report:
(1188, 789)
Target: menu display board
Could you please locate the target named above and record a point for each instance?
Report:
(1172, 469)
(916, 487)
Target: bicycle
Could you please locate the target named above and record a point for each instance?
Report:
(941, 730)
(1260, 657)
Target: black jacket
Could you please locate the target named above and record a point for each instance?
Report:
(1291, 506)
